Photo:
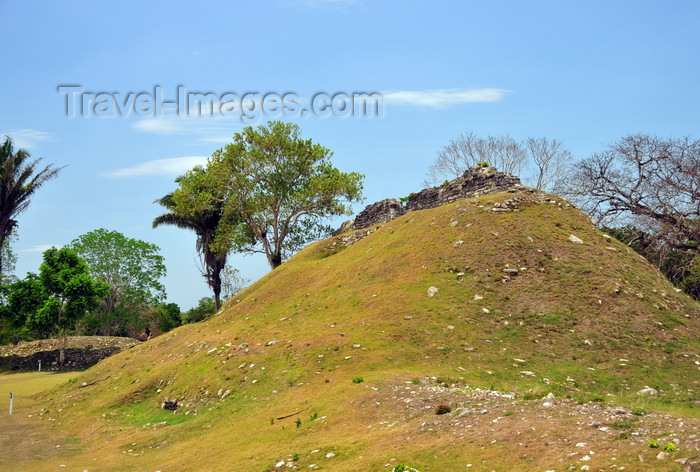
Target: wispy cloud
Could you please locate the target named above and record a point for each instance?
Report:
(443, 98)
(165, 125)
(171, 167)
(27, 138)
(203, 130)
(40, 247)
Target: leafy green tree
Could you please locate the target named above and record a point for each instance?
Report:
(204, 309)
(131, 268)
(71, 290)
(20, 178)
(23, 299)
(276, 188)
(208, 224)
(168, 317)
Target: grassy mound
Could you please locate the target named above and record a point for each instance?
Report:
(485, 302)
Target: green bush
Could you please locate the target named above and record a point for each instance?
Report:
(204, 309)
(443, 409)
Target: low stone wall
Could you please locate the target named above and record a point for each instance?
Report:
(81, 352)
(76, 358)
(474, 182)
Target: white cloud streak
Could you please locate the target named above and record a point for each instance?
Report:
(171, 167)
(27, 138)
(164, 125)
(443, 98)
(205, 130)
(41, 247)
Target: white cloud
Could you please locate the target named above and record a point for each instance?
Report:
(216, 139)
(41, 247)
(164, 125)
(171, 167)
(444, 97)
(26, 138)
(211, 130)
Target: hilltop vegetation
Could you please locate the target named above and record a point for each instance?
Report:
(311, 357)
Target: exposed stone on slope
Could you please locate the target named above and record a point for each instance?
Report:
(379, 213)
(475, 181)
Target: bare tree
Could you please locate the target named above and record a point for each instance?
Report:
(643, 180)
(504, 153)
(551, 159)
(232, 282)
(454, 158)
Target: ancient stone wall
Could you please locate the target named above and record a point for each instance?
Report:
(379, 213)
(474, 182)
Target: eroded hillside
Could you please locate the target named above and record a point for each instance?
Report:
(517, 294)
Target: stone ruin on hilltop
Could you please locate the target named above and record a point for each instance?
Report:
(474, 182)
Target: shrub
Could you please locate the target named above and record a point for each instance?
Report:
(443, 409)
(653, 443)
(358, 380)
(669, 447)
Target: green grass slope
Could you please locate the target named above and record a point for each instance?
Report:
(302, 369)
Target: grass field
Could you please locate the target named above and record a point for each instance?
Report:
(28, 440)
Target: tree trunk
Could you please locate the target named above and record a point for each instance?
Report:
(275, 259)
(3, 236)
(215, 282)
(62, 350)
(217, 298)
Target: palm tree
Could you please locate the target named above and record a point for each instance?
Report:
(20, 177)
(205, 225)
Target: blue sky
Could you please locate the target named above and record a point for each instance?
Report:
(585, 73)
